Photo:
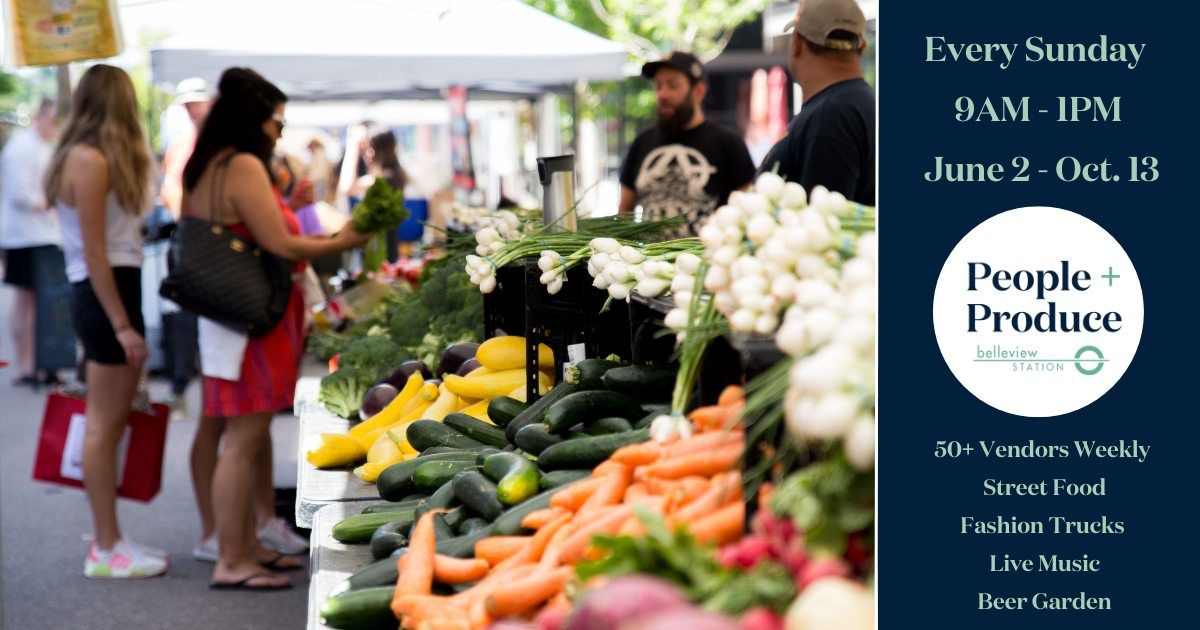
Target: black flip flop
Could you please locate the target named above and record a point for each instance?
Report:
(245, 585)
(274, 565)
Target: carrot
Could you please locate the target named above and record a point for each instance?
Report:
(702, 442)
(730, 395)
(608, 523)
(607, 467)
(538, 518)
(542, 539)
(733, 415)
(574, 496)
(521, 596)
(409, 604)
(692, 487)
(706, 463)
(448, 570)
(496, 549)
(708, 418)
(416, 566)
(636, 493)
(638, 454)
(723, 526)
(610, 491)
(722, 490)
(552, 557)
(632, 527)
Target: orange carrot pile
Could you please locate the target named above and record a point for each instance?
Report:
(692, 482)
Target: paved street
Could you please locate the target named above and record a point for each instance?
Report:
(43, 553)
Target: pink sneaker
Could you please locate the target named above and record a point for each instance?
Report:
(124, 561)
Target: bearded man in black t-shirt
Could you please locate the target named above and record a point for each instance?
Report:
(831, 142)
(685, 165)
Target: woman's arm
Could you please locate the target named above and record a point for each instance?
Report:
(87, 176)
(249, 189)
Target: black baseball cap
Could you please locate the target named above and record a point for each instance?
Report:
(687, 63)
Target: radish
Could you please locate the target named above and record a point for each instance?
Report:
(822, 567)
(761, 619)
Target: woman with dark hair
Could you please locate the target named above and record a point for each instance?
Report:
(382, 159)
(229, 179)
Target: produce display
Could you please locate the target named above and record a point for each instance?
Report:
(615, 499)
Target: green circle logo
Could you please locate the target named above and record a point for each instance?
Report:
(1099, 360)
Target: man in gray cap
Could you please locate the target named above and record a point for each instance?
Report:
(685, 166)
(831, 142)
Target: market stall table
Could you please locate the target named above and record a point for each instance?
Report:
(317, 488)
(330, 561)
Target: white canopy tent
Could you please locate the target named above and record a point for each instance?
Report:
(363, 49)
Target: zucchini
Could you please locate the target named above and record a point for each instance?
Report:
(509, 523)
(537, 411)
(396, 481)
(433, 475)
(416, 496)
(360, 527)
(604, 426)
(424, 434)
(587, 373)
(589, 451)
(502, 409)
(366, 609)
(477, 493)
(388, 538)
(381, 573)
(477, 430)
(535, 438)
(441, 529)
(454, 518)
(658, 408)
(516, 477)
(644, 423)
(461, 546)
(442, 499)
(389, 506)
(590, 405)
(485, 453)
(556, 478)
(643, 382)
(471, 525)
(444, 449)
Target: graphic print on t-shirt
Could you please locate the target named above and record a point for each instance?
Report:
(671, 182)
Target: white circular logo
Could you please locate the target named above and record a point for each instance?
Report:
(1038, 311)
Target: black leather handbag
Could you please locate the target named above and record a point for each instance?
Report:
(219, 275)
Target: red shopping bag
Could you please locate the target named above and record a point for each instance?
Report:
(139, 454)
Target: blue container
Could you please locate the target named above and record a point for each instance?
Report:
(413, 229)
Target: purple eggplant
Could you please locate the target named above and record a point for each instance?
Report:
(399, 378)
(455, 355)
(376, 399)
(468, 366)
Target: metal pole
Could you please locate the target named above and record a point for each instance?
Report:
(63, 74)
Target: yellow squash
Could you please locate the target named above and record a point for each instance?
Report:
(479, 411)
(334, 450)
(491, 385)
(391, 413)
(508, 353)
(446, 403)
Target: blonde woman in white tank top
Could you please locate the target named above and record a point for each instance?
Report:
(99, 181)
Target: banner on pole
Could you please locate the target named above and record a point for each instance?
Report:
(49, 32)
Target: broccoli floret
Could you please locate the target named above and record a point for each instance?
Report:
(373, 355)
(342, 392)
(381, 210)
(324, 345)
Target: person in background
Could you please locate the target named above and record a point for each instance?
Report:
(685, 166)
(831, 142)
(99, 182)
(27, 227)
(179, 327)
(230, 180)
(382, 159)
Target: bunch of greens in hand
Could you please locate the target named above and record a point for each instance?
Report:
(381, 210)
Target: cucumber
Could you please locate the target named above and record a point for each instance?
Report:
(659, 408)
(537, 411)
(644, 423)
(454, 518)
(503, 409)
(535, 438)
(377, 508)
(471, 525)
(441, 529)
(445, 449)
(587, 373)
(516, 477)
(360, 527)
(442, 499)
(509, 523)
(604, 426)
(416, 496)
(388, 538)
(476, 429)
(591, 405)
(643, 382)
(462, 546)
(396, 481)
(477, 493)
(366, 609)
(424, 434)
(381, 573)
(589, 451)
(433, 475)
(485, 453)
(556, 478)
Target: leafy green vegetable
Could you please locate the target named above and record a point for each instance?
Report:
(678, 558)
(342, 392)
(325, 345)
(827, 500)
(381, 210)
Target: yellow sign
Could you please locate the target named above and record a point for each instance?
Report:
(47, 32)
